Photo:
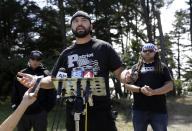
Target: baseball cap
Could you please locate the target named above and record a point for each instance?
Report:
(36, 54)
(81, 14)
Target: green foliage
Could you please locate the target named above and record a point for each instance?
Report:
(190, 85)
(25, 27)
(21, 25)
(178, 85)
(188, 70)
(131, 56)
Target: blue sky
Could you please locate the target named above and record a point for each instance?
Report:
(167, 14)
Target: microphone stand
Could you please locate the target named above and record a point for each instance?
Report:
(78, 106)
(61, 105)
(58, 102)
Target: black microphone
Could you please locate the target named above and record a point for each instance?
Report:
(61, 74)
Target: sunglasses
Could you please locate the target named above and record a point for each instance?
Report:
(150, 51)
(36, 59)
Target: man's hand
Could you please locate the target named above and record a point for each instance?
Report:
(134, 76)
(146, 90)
(125, 76)
(27, 80)
(30, 97)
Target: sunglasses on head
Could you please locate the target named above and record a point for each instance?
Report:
(150, 51)
(37, 59)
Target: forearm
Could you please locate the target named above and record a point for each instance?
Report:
(121, 74)
(132, 88)
(164, 89)
(46, 83)
(118, 72)
(11, 122)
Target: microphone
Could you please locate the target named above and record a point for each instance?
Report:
(88, 73)
(61, 74)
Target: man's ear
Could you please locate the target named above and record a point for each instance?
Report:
(91, 27)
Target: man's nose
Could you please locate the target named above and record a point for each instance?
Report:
(79, 23)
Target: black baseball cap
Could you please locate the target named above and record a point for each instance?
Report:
(36, 54)
(81, 14)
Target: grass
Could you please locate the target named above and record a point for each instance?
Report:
(179, 108)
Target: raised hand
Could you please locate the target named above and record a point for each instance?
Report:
(26, 79)
(30, 97)
(126, 76)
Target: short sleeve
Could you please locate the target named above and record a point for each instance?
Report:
(113, 59)
(166, 73)
(134, 68)
(57, 65)
(46, 72)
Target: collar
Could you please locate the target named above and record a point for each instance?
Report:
(84, 45)
(148, 63)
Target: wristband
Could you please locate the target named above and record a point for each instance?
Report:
(140, 89)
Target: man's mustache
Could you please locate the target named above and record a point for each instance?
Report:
(80, 27)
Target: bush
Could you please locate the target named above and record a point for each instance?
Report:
(178, 86)
(190, 85)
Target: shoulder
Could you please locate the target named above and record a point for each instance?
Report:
(24, 70)
(134, 67)
(165, 68)
(44, 70)
(100, 43)
(164, 65)
(67, 50)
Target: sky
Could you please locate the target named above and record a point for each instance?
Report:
(167, 14)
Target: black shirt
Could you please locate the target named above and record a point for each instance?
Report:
(45, 99)
(148, 76)
(96, 53)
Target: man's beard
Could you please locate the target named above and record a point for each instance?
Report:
(151, 59)
(81, 34)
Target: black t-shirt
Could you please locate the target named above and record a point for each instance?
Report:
(147, 76)
(96, 53)
(45, 99)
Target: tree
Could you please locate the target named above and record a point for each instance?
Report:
(155, 6)
(190, 14)
(62, 18)
(188, 70)
(145, 4)
(17, 30)
(179, 29)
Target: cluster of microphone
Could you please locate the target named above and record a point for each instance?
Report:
(78, 72)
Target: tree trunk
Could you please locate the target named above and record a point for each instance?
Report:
(178, 57)
(162, 41)
(62, 23)
(147, 19)
(190, 3)
(136, 15)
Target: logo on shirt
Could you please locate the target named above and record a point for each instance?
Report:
(76, 60)
(147, 69)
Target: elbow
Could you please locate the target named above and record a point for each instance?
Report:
(171, 86)
(126, 87)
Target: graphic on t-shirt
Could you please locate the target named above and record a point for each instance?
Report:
(83, 61)
(147, 69)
